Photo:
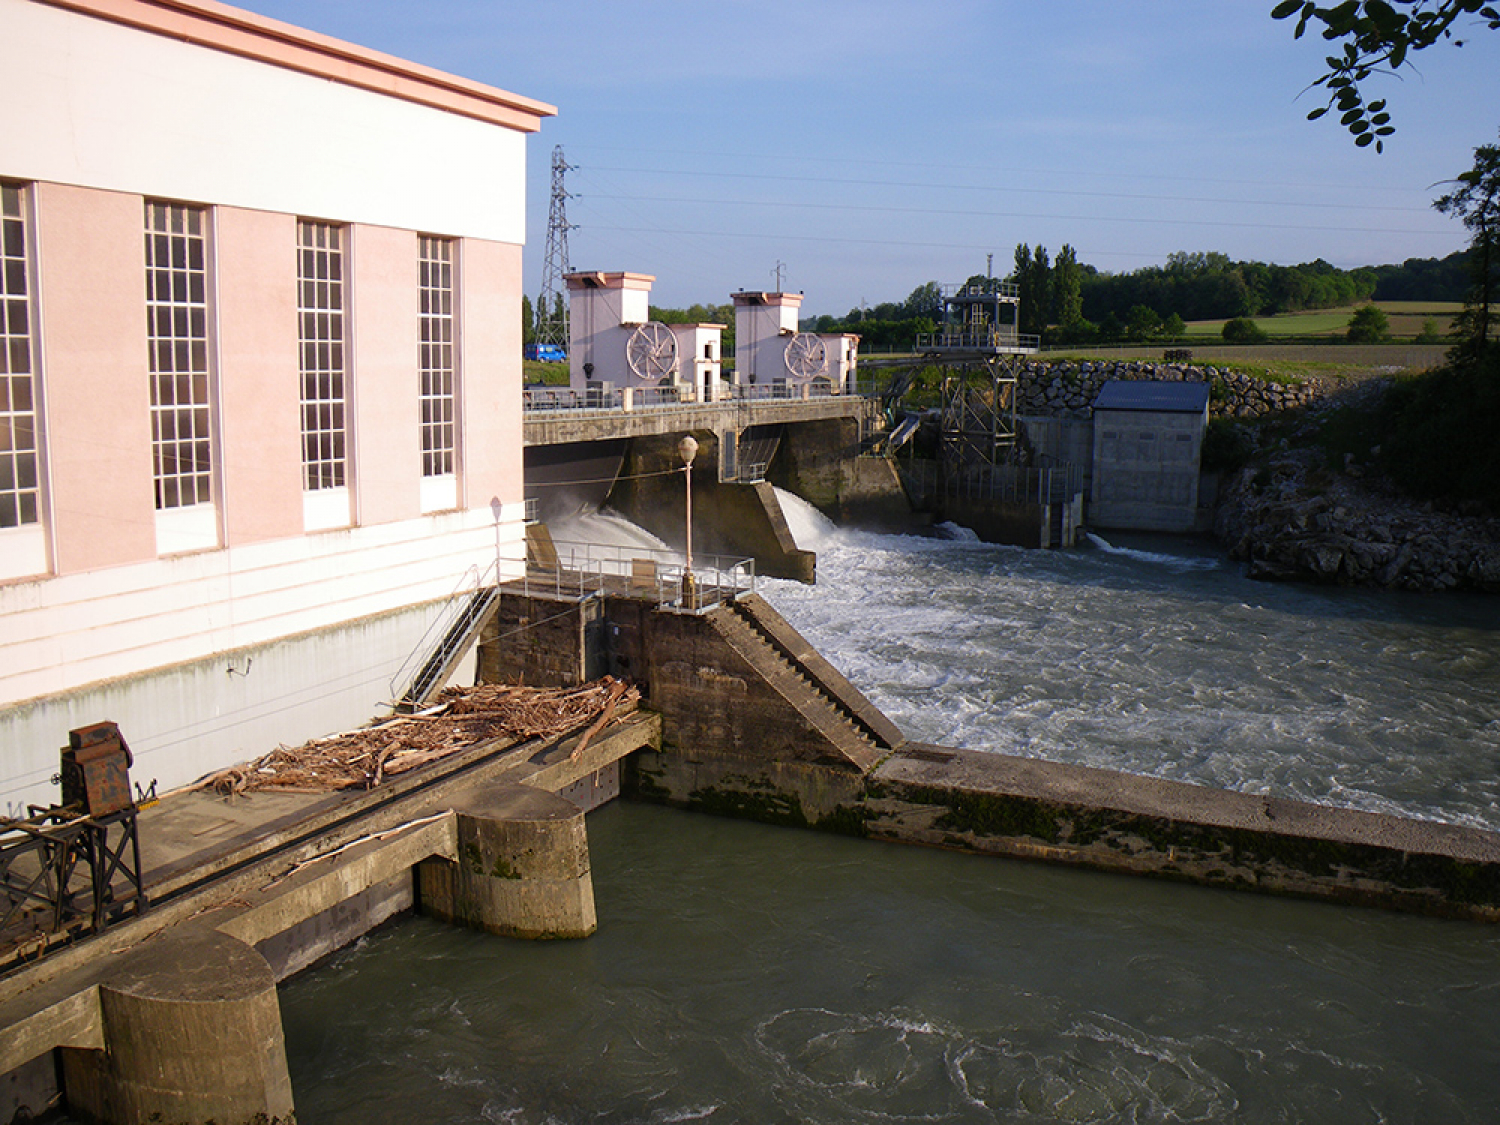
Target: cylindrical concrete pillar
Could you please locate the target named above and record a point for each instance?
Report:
(522, 869)
(192, 1032)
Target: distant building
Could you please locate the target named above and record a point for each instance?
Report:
(1148, 438)
(261, 363)
(614, 345)
(769, 351)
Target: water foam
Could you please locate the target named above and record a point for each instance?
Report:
(1158, 659)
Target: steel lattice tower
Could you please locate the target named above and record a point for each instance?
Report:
(552, 309)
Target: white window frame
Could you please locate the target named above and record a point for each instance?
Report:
(438, 370)
(180, 364)
(23, 536)
(323, 351)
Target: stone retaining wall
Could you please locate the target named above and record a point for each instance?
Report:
(1066, 386)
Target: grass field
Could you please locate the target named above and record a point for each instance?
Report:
(1288, 361)
(1407, 320)
(552, 374)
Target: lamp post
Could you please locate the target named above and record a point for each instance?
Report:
(687, 449)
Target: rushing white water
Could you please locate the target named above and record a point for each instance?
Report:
(1157, 656)
(608, 529)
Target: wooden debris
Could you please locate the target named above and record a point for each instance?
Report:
(463, 717)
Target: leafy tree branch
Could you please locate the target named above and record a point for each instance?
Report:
(1377, 37)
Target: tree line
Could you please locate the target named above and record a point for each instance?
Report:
(1064, 301)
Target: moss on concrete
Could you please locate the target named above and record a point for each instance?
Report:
(768, 806)
(847, 820)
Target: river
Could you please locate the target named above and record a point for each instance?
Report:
(751, 974)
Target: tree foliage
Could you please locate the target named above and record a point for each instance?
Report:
(1242, 330)
(1033, 278)
(1377, 36)
(1209, 286)
(1067, 290)
(1475, 200)
(1369, 325)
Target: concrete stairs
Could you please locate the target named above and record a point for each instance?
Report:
(853, 729)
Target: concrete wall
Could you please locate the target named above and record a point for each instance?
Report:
(190, 718)
(1145, 470)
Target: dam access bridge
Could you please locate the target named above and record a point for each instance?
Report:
(585, 449)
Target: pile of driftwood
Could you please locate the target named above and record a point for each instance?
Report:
(462, 718)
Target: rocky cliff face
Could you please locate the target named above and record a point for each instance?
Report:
(1292, 519)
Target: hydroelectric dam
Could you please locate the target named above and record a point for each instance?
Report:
(739, 715)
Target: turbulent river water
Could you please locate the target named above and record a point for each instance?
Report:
(752, 974)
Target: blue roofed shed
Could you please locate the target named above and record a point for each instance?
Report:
(1148, 437)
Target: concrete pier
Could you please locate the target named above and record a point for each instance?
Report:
(192, 1033)
(522, 867)
(756, 724)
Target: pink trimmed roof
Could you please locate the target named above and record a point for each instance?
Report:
(598, 279)
(220, 27)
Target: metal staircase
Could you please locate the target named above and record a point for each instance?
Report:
(455, 630)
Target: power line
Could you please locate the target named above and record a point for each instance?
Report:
(1004, 190)
(989, 170)
(1012, 214)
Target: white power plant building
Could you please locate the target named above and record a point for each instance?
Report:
(769, 351)
(613, 344)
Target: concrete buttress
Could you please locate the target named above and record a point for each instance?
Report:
(522, 867)
(192, 1033)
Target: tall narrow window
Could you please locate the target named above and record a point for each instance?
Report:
(436, 365)
(177, 333)
(320, 305)
(18, 467)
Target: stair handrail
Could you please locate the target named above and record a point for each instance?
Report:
(469, 583)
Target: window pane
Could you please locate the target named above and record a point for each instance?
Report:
(435, 361)
(321, 329)
(18, 465)
(177, 316)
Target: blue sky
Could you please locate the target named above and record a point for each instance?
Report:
(869, 147)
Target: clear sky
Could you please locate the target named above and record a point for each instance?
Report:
(870, 146)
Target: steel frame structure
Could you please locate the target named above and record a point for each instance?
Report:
(63, 872)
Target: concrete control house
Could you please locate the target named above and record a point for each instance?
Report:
(1148, 438)
(260, 410)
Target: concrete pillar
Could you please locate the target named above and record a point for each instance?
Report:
(627, 398)
(192, 1032)
(522, 869)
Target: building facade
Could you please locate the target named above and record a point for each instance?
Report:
(614, 345)
(1147, 445)
(260, 363)
(769, 351)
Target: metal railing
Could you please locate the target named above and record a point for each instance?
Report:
(590, 569)
(454, 609)
(548, 400)
(1011, 484)
(980, 340)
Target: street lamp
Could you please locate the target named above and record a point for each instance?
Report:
(687, 449)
